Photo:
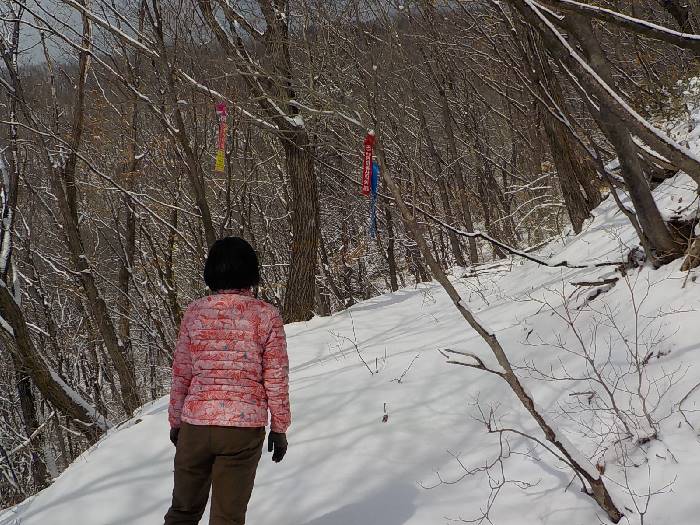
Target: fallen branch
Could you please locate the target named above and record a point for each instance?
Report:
(603, 282)
(685, 398)
(478, 365)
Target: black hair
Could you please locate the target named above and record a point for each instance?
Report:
(232, 264)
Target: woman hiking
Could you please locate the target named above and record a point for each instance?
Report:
(229, 369)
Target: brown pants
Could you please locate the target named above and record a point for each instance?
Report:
(223, 458)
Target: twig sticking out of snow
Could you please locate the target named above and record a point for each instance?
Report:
(399, 379)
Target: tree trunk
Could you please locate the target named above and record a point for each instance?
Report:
(91, 424)
(444, 81)
(456, 163)
(439, 175)
(575, 175)
(568, 164)
(680, 11)
(31, 422)
(658, 236)
(195, 172)
(171, 283)
(323, 301)
(390, 247)
(63, 182)
(129, 234)
(301, 281)
(657, 233)
(346, 268)
(328, 274)
(486, 207)
(270, 79)
(97, 306)
(195, 175)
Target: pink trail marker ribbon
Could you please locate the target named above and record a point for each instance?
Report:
(222, 112)
(367, 164)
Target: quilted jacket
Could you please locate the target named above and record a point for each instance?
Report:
(230, 364)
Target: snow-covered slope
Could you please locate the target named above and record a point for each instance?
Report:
(347, 467)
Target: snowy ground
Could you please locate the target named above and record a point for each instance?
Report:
(347, 467)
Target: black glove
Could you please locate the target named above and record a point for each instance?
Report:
(174, 432)
(278, 442)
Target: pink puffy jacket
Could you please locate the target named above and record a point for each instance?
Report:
(230, 365)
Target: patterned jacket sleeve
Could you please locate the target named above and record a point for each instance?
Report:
(182, 374)
(276, 375)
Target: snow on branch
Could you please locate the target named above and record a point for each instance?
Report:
(252, 76)
(136, 44)
(98, 419)
(232, 13)
(642, 27)
(564, 51)
(219, 96)
(104, 24)
(28, 439)
(514, 251)
(7, 216)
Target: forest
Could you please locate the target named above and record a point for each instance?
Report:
(134, 133)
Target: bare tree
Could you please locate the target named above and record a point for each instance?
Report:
(272, 86)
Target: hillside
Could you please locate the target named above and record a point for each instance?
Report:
(347, 467)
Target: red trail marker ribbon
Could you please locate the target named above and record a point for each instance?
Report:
(367, 164)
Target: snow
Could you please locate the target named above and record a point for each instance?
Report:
(298, 120)
(345, 466)
(573, 451)
(6, 326)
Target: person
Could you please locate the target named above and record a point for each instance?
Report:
(229, 369)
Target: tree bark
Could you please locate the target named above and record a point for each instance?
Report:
(301, 281)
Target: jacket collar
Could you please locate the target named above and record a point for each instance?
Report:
(240, 291)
